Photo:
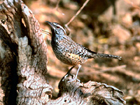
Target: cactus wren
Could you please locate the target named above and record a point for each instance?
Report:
(70, 52)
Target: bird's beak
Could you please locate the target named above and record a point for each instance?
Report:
(51, 24)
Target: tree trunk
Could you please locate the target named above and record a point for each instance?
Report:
(23, 66)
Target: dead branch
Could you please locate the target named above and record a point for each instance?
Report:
(77, 13)
(90, 93)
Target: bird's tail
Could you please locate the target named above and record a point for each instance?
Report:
(93, 54)
(99, 55)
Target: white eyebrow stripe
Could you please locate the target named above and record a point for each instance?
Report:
(56, 24)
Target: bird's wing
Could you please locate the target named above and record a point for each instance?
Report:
(78, 50)
(75, 48)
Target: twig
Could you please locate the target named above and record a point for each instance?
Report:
(56, 8)
(114, 68)
(66, 25)
(46, 32)
(132, 4)
(101, 71)
(57, 4)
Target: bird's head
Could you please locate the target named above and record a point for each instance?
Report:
(56, 28)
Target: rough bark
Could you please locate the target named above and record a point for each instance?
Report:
(25, 53)
(23, 65)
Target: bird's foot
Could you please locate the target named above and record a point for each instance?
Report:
(73, 78)
(68, 74)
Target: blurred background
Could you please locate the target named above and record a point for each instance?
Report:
(105, 26)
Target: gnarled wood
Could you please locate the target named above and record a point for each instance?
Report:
(21, 34)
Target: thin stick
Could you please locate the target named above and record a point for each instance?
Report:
(45, 31)
(56, 8)
(132, 4)
(66, 25)
(57, 4)
(114, 68)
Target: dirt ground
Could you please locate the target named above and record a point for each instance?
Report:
(111, 27)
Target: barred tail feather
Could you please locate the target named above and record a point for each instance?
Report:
(99, 55)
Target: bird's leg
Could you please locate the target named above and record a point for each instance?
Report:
(75, 78)
(68, 73)
(79, 66)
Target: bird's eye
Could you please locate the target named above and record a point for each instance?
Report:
(57, 27)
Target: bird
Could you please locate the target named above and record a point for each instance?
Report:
(70, 52)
